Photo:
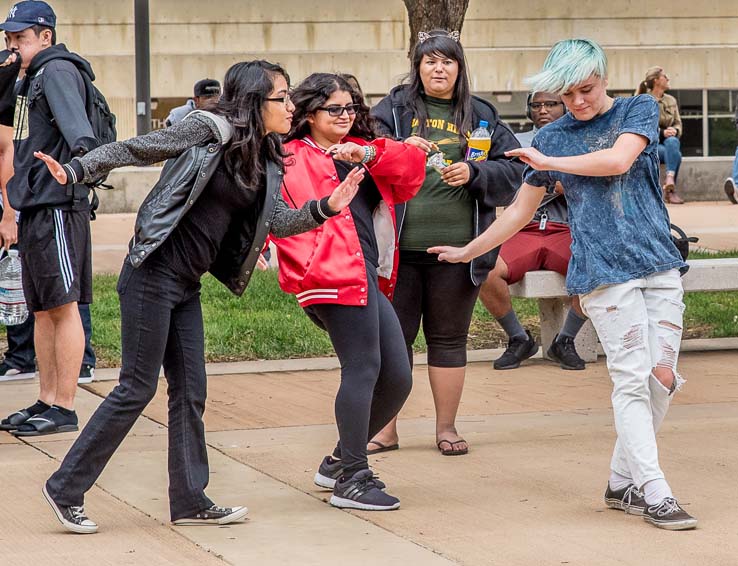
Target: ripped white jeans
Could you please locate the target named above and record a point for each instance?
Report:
(639, 324)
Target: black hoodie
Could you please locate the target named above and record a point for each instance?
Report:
(492, 183)
(51, 117)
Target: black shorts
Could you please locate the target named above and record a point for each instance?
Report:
(56, 256)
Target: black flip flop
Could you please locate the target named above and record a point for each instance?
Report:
(40, 426)
(382, 447)
(452, 451)
(15, 420)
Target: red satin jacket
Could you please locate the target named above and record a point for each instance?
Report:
(326, 265)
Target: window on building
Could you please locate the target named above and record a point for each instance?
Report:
(723, 137)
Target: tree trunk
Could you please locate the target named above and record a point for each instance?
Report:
(425, 15)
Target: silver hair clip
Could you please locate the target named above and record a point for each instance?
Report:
(423, 35)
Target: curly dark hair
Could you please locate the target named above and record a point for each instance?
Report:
(312, 93)
(245, 90)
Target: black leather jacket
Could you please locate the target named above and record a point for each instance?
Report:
(195, 148)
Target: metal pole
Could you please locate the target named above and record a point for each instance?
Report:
(143, 69)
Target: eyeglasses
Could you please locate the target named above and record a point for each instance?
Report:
(549, 104)
(283, 99)
(336, 111)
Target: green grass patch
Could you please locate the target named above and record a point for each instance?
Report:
(267, 324)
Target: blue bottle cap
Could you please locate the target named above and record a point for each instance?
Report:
(483, 123)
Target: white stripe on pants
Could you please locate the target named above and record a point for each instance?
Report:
(639, 324)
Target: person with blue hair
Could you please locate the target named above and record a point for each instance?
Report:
(624, 265)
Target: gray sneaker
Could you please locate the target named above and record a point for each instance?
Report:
(72, 518)
(669, 515)
(328, 472)
(628, 499)
(362, 491)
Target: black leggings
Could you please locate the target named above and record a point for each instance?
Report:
(376, 377)
(443, 295)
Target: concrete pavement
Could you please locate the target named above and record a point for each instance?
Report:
(529, 492)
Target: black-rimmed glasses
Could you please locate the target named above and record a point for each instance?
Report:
(336, 111)
(283, 99)
(549, 104)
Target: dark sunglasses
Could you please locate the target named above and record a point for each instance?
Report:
(336, 111)
(549, 104)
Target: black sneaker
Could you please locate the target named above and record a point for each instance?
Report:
(562, 350)
(8, 373)
(518, 349)
(328, 472)
(669, 515)
(628, 499)
(362, 491)
(214, 516)
(72, 518)
(731, 190)
(86, 374)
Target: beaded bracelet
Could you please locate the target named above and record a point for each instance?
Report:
(370, 153)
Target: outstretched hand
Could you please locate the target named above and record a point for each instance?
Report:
(344, 193)
(451, 254)
(531, 156)
(56, 170)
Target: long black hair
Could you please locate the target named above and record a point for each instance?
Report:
(440, 44)
(312, 94)
(245, 89)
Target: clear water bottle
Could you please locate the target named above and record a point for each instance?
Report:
(13, 309)
(479, 143)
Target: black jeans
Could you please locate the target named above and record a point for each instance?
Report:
(376, 377)
(161, 324)
(443, 296)
(21, 353)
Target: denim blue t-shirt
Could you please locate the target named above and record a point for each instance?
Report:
(619, 224)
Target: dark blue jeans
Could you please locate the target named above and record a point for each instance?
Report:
(21, 353)
(161, 324)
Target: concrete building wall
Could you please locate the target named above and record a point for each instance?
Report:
(505, 41)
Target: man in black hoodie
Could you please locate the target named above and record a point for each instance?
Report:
(54, 230)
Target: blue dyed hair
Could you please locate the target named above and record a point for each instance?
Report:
(569, 63)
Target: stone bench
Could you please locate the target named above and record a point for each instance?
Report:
(553, 303)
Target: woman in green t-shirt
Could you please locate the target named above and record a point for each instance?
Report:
(436, 112)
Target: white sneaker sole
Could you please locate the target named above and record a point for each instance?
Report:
(79, 529)
(238, 514)
(17, 376)
(342, 503)
(323, 481)
(684, 525)
(629, 509)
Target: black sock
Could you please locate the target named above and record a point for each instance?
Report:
(572, 325)
(37, 408)
(63, 411)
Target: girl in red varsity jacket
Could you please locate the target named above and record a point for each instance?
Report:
(343, 273)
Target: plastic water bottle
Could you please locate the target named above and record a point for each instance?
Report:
(479, 143)
(13, 309)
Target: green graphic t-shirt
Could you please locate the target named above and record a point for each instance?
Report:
(439, 213)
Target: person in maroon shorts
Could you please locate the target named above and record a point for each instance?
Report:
(543, 244)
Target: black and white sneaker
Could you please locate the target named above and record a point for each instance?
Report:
(362, 491)
(72, 518)
(328, 472)
(214, 516)
(518, 349)
(669, 515)
(628, 499)
(86, 374)
(8, 373)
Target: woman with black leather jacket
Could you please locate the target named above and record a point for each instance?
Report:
(436, 112)
(210, 211)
